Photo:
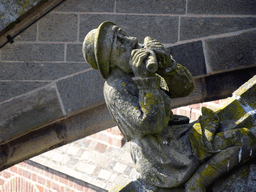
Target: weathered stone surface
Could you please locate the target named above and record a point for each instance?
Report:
(11, 10)
(152, 6)
(34, 52)
(28, 111)
(28, 35)
(58, 27)
(38, 71)
(191, 56)
(247, 93)
(197, 27)
(74, 53)
(162, 28)
(87, 6)
(232, 7)
(11, 89)
(231, 52)
(241, 179)
(81, 91)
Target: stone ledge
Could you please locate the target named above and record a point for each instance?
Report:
(215, 86)
(28, 111)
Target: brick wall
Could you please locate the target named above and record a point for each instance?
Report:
(32, 177)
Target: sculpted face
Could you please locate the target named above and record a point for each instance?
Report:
(121, 50)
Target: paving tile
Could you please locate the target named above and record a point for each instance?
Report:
(96, 171)
(71, 172)
(58, 157)
(85, 155)
(100, 147)
(113, 177)
(104, 174)
(86, 168)
(73, 150)
(72, 161)
(97, 182)
(120, 167)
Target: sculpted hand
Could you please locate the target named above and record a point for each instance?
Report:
(163, 56)
(138, 61)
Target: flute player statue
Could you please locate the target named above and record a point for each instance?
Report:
(167, 150)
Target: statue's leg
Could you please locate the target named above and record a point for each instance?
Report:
(237, 146)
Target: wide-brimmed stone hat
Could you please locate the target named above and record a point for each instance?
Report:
(97, 47)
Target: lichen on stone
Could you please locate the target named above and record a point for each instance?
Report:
(11, 10)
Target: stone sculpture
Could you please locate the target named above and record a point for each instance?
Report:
(167, 150)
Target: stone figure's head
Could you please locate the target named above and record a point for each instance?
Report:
(108, 47)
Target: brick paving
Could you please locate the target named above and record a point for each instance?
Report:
(90, 160)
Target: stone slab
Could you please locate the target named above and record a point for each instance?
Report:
(230, 7)
(28, 111)
(58, 27)
(38, 71)
(86, 25)
(162, 28)
(191, 56)
(86, 6)
(197, 27)
(74, 53)
(231, 52)
(222, 85)
(151, 6)
(81, 90)
(10, 89)
(28, 35)
(34, 52)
